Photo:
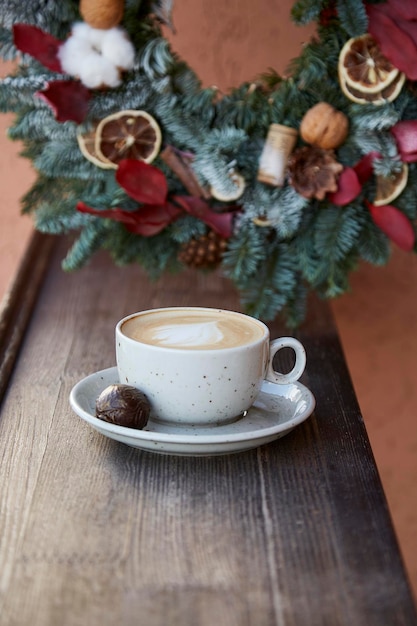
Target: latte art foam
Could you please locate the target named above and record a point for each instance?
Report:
(193, 330)
(192, 335)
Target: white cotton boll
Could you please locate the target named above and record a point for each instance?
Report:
(81, 30)
(72, 54)
(117, 47)
(96, 37)
(97, 71)
(85, 32)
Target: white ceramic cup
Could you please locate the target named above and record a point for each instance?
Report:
(199, 365)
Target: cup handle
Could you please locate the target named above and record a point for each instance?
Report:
(300, 361)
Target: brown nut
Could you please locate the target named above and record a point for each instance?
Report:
(102, 14)
(324, 126)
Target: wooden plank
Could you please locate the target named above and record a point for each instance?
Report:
(19, 300)
(94, 532)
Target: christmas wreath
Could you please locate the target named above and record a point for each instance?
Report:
(286, 184)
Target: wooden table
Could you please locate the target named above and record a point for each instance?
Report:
(95, 533)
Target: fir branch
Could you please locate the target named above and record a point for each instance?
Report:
(186, 228)
(245, 107)
(296, 306)
(184, 80)
(305, 11)
(90, 241)
(281, 209)
(40, 125)
(336, 232)
(7, 47)
(155, 59)
(215, 157)
(54, 195)
(136, 92)
(155, 254)
(244, 254)
(62, 158)
(49, 220)
(352, 15)
(268, 292)
(53, 17)
(200, 104)
(17, 91)
(373, 245)
(370, 118)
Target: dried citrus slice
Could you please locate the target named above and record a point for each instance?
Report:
(236, 189)
(364, 67)
(127, 135)
(389, 187)
(388, 94)
(86, 142)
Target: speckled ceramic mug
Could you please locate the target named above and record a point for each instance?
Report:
(199, 365)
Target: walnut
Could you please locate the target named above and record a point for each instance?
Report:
(324, 126)
(313, 172)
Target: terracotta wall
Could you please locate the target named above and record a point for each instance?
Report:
(228, 43)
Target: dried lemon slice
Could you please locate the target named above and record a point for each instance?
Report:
(237, 188)
(390, 187)
(127, 135)
(86, 142)
(363, 66)
(388, 94)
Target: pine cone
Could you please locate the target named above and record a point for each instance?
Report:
(205, 252)
(313, 172)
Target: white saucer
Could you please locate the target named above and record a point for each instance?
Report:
(276, 411)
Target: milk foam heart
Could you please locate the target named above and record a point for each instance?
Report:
(191, 335)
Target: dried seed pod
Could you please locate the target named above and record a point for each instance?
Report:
(123, 405)
(313, 172)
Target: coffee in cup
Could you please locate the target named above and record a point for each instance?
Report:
(199, 365)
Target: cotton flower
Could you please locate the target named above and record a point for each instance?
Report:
(96, 56)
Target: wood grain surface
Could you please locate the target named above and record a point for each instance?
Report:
(93, 532)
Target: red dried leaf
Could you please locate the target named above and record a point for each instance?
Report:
(348, 187)
(364, 168)
(409, 28)
(394, 224)
(404, 9)
(394, 42)
(151, 219)
(147, 221)
(221, 223)
(118, 215)
(68, 100)
(405, 133)
(40, 45)
(142, 182)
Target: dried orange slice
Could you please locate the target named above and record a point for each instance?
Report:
(390, 187)
(86, 142)
(127, 135)
(363, 66)
(236, 189)
(388, 94)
